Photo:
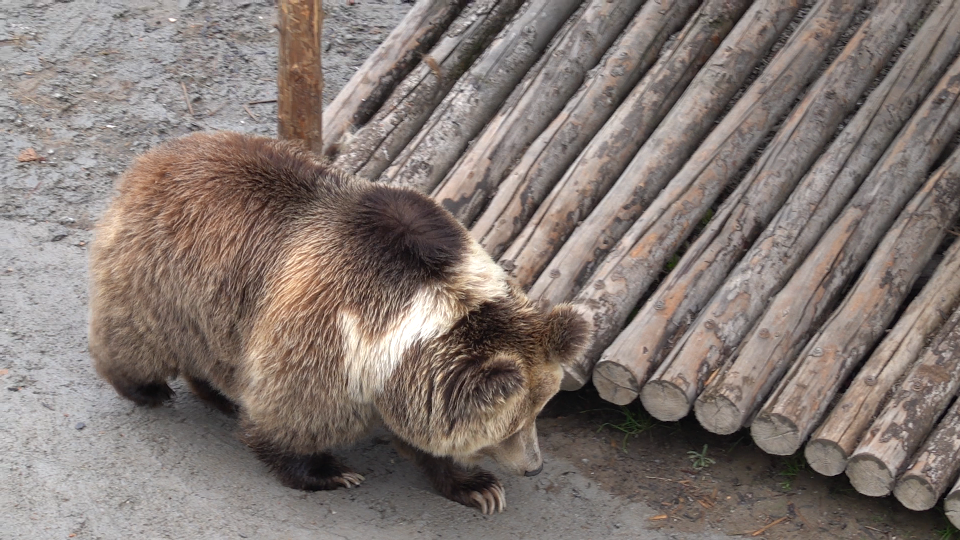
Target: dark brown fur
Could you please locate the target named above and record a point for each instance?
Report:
(317, 304)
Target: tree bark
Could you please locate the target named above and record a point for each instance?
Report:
(719, 329)
(469, 184)
(639, 256)
(478, 94)
(299, 75)
(832, 443)
(645, 342)
(951, 505)
(797, 310)
(934, 467)
(605, 152)
(676, 137)
(379, 141)
(855, 327)
(369, 87)
(922, 398)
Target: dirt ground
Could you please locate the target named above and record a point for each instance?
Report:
(87, 85)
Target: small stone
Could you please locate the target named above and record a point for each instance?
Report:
(80, 425)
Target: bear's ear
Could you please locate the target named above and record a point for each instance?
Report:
(568, 333)
(478, 385)
(411, 228)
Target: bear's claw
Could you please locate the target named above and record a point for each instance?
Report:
(490, 500)
(349, 479)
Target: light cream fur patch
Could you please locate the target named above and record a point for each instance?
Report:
(370, 360)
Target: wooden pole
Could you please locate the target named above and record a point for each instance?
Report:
(477, 174)
(831, 444)
(722, 324)
(645, 342)
(810, 295)
(934, 467)
(478, 94)
(676, 137)
(903, 424)
(607, 151)
(299, 74)
(637, 259)
(374, 146)
(396, 56)
(808, 388)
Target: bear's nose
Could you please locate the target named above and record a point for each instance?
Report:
(534, 473)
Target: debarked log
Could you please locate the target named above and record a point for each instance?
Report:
(573, 143)
(478, 94)
(470, 183)
(675, 138)
(905, 421)
(396, 56)
(645, 342)
(934, 466)
(637, 259)
(809, 296)
(374, 146)
(712, 338)
(831, 444)
(808, 388)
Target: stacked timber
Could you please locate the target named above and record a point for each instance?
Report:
(737, 223)
(808, 388)
(814, 289)
(773, 156)
(832, 443)
(565, 148)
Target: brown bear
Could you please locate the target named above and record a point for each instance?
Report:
(316, 304)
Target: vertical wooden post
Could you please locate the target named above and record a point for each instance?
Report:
(299, 77)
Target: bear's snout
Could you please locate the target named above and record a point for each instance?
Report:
(534, 472)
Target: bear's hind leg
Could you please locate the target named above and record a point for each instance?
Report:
(470, 487)
(130, 361)
(310, 472)
(205, 391)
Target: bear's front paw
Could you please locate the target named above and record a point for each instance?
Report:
(479, 489)
(313, 472)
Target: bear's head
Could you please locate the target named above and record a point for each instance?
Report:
(477, 359)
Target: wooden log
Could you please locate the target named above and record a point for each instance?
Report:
(479, 93)
(608, 151)
(637, 259)
(858, 323)
(831, 444)
(299, 75)
(813, 290)
(951, 505)
(640, 348)
(477, 174)
(374, 146)
(719, 329)
(396, 56)
(906, 420)
(675, 138)
(934, 467)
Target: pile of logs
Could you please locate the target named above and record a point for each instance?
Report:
(755, 203)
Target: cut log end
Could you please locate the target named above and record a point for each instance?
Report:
(615, 383)
(869, 475)
(776, 434)
(916, 493)
(826, 457)
(573, 378)
(665, 401)
(951, 507)
(717, 414)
